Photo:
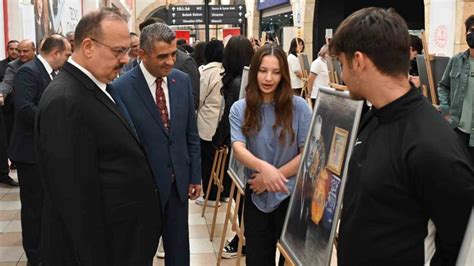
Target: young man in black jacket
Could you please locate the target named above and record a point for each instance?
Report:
(407, 165)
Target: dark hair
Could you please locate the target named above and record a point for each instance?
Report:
(198, 53)
(293, 46)
(12, 41)
(469, 22)
(214, 51)
(380, 34)
(156, 32)
(54, 41)
(283, 99)
(149, 22)
(133, 34)
(237, 54)
(180, 42)
(416, 43)
(90, 25)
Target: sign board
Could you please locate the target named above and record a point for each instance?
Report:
(186, 15)
(195, 14)
(265, 4)
(442, 27)
(226, 14)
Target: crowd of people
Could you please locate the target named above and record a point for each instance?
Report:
(113, 132)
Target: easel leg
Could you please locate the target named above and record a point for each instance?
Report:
(226, 222)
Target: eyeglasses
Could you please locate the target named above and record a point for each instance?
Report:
(118, 52)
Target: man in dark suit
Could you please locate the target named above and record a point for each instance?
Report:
(183, 62)
(12, 52)
(160, 103)
(29, 83)
(101, 205)
(26, 53)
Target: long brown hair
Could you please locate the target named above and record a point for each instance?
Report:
(282, 99)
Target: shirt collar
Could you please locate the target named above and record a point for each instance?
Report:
(46, 65)
(400, 107)
(150, 79)
(100, 84)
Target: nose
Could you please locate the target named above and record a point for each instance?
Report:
(170, 60)
(268, 76)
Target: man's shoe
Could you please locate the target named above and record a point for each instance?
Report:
(230, 250)
(210, 203)
(161, 250)
(9, 181)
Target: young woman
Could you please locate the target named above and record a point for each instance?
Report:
(237, 54)
(296, 75)
(268, 131)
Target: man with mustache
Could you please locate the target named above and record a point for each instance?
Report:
(159, 100)
(101, 205)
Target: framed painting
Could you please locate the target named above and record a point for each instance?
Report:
(310, 224)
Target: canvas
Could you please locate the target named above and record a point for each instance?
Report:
(310, 225)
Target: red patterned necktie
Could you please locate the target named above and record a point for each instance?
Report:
(161, 103)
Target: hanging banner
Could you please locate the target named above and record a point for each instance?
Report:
(442, 23)
(56, 16)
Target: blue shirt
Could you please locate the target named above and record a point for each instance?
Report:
(266, 146)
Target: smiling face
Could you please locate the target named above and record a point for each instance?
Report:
(160, 60)
(269, 76)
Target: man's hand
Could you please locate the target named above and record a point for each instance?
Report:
(194, 191)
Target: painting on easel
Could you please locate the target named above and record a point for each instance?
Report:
(310, 225)
(438, 66)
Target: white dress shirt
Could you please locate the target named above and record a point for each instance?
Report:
(46, 65)
(151, 82)
(102, 86)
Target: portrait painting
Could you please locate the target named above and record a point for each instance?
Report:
(310, 224)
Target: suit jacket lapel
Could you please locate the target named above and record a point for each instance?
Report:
(89, 84)
(44, 73)
(144, 93)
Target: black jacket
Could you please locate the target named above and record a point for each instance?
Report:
(101, 205)
(3, 67)
(186, 63)
(407, 166)
(29, 83)
(231, 95)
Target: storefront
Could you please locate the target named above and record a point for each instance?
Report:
(276, 20)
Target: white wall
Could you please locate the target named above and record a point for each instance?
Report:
(2, 34)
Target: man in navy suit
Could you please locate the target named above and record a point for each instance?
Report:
(29, 83)
(159, 101)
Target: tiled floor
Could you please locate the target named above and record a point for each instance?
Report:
(203, 251)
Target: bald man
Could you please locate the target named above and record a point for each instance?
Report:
(26, 53)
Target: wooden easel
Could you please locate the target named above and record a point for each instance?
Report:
(288, 260)
(334, 81)
(216, 178)
(429, 72)
(232, 217)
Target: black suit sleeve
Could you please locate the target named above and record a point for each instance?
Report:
(68, 161)
(222, 135)
(194, 145)
(24, 95)
(191, 69)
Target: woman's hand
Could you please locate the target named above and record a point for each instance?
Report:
(268, 178)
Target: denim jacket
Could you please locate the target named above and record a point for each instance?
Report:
(452, 89)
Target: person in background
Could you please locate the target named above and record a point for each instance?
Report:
(237, 54)
(184, 62)
(268, 132)
(12, 54)
(319, 74)
(133, 53)
(407, 166)
(30, 81)
(26, 53)
(70, 39)
(416, 48)
(296, 75)
(198, 55)
(208, 114)
(456, 91)
(160, 103)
